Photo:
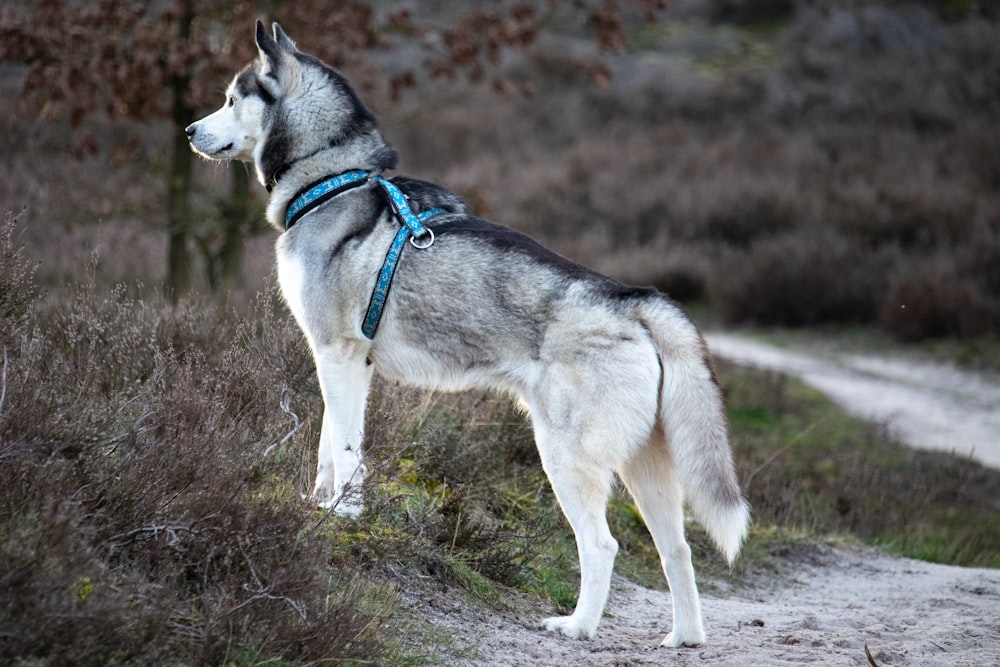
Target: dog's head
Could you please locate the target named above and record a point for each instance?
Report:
(284, 107)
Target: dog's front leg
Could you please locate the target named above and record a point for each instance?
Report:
(344, 379)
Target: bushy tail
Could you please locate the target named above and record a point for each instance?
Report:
(694, 420)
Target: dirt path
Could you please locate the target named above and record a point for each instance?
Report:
(930, 405)
(829, 606)
(826, 604)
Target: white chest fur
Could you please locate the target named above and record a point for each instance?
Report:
(291, 278)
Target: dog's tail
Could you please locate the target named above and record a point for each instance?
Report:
(694, 421)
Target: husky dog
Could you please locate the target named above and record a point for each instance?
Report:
(616, 379)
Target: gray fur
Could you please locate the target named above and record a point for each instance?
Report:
(616, 379)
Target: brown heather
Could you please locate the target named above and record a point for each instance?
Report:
(148, 509)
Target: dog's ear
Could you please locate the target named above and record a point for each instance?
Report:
(266, 46)
(276, 68)
(283, 40)
(270, 52)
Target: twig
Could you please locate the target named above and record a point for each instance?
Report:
(871, 660)
(262, 591)
(454, 538)
(285, 405)
(770, 459)
(3, 380)
(264, 595)
(172, 531)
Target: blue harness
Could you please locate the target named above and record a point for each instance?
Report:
(411, 227)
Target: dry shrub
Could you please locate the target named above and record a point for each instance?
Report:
(797, 279)
(733, 147)
(147, 496)
(747, 222)
(937, 298)
(750, 12)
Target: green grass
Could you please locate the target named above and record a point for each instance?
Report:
(808, 467)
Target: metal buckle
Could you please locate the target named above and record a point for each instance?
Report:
(422, 246)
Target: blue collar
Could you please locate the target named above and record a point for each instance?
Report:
(411, 227)
(320, 192)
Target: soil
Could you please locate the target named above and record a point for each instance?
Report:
(825, 605)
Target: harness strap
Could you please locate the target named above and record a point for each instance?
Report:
(401, 207)
(381, 291)
(411, 228)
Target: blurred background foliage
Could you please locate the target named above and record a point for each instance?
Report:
(792, 163)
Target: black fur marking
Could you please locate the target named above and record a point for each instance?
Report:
(509, 240)
(386, 158)
(371, 219)
(355, 235)
(709, 362)
(424, 196)
(276, 154)
(248, 85)
(627, 292)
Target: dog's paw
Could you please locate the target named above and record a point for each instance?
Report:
(570, 626)
(678, 639)
(348, 509)
(340, 506)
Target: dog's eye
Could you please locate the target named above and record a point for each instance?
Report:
(232, 100)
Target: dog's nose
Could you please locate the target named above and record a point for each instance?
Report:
(191, 129)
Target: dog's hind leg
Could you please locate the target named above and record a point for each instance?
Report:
(651, 479)
(582, 490)
(344, 380)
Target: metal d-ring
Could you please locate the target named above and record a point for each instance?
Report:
(423, 246)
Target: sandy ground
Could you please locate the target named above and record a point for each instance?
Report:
(824, 605)
(828, 606)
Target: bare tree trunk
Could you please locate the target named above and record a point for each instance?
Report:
(179, 177)
(234, 226)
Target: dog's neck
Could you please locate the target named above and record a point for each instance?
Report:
(367, 152)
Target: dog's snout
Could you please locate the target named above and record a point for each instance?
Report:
(191, 129)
